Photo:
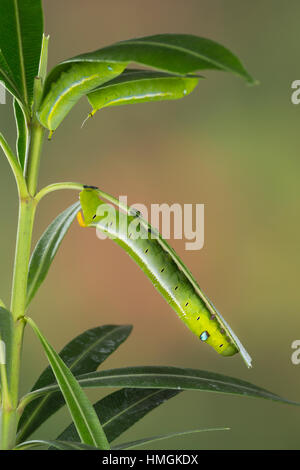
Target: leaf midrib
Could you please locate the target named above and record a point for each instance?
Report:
(178, 48)
(131, 407)
(54, 388)
(23, 75)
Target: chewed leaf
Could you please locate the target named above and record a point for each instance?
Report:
(140, 86)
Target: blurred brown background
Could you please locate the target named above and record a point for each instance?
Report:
(232, 147)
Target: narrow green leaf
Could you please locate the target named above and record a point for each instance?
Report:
(6, 335)
(20, 43)
(122, 409)
(178, 54)
(58, 445)
(174, 378)
(83, 414)
(139, 86)
(46, 249)
(173, 53)
(22, 134)
(44, 58)
(148, 440)
(6, 77)
(83, 354)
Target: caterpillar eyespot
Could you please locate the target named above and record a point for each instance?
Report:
(167, 273)
(77, 79)
(204, 336)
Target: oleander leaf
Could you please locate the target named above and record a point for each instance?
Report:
(46, 249)
(174, 53)
(58, 445)
(6, 335)
(22, 133)
(172, 378)
(83, 354)
(120, 410)
(179, 54)
(20, 46)
(162, 437)
(83, 414)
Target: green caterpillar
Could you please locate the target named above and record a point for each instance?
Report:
(139, 86)
(165, 270)
(76, 81)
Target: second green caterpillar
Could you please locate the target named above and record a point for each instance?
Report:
(165, 270)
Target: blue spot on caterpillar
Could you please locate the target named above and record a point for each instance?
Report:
(204, 336)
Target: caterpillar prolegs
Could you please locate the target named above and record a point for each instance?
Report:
(165, 270)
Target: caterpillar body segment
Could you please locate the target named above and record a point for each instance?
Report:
(166, 272)
(75, 81)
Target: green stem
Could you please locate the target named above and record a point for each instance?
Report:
(8, 415)
(19, 291)
(8, 429)
(36, 142)
(77, 187)
(56, 187)
(27, 207)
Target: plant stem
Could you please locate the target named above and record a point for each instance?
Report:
(77, 187)
(56, 187)
(19, 291)
(8, 429)
(27, 207)
(8, 416)
(37, 135)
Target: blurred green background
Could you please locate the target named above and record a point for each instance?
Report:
(232, 147)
